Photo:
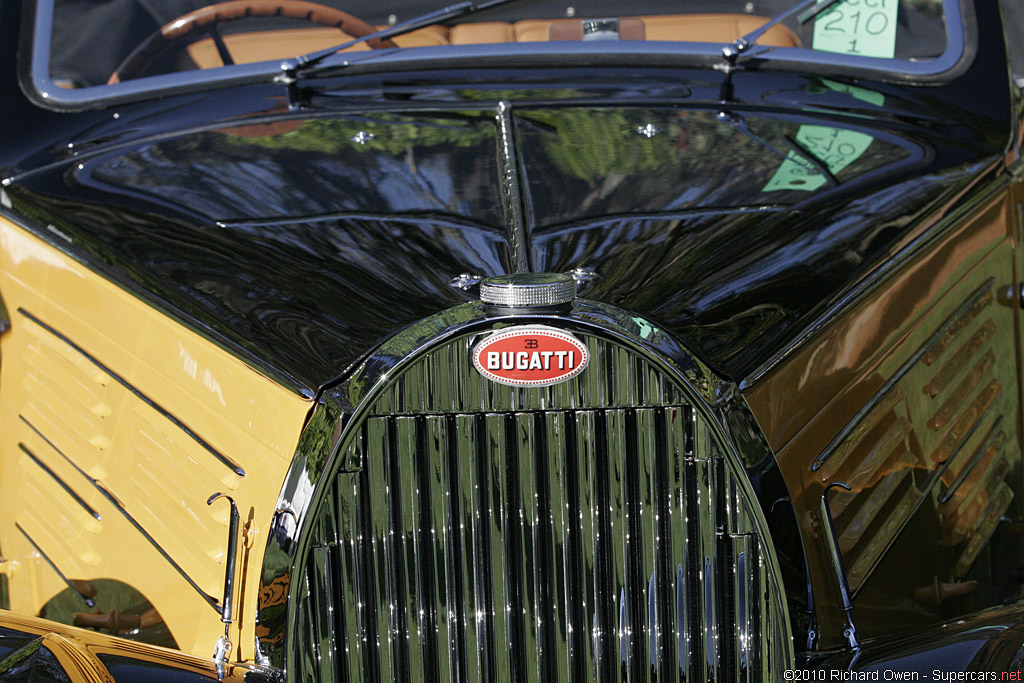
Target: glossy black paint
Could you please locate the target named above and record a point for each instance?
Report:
(124, 669)
(32, 663)
(301, 249)
(11, 640)
(989, 643)
(278, 236)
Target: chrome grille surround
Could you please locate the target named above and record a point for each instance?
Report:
(465, 530)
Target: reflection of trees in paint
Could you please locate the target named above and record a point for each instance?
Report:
(577, 160)
(385, 133)
(582, 163)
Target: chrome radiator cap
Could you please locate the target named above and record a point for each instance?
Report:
(528, 290)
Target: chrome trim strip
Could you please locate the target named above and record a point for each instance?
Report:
(94, 482)
(589, 223)
(119, 506)
(70, 584)
(211, 601)
(934, 339)
(511, 189)
(63, 484)
(225, 460)
(445, 220)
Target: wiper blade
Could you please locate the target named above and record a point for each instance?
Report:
(815, 11)
(733, 51)
(308, 61)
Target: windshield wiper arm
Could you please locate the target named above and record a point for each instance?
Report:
(294, 66)
(806, 159)
(732, 51)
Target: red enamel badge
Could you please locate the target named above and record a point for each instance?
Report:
(530, 356)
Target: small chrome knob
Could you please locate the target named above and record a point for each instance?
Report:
(528, 289)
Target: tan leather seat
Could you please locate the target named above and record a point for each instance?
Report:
(705, 28)
(260, 46)
(482, 33)
(701, 28)
(428, 36)
(715, 28)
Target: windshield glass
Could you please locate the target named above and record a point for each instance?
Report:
(98, 42)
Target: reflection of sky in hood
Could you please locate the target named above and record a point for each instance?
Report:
(577, 164)
(313, 170)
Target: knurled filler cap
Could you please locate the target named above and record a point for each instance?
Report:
(528, 289)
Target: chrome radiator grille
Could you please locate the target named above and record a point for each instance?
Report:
(568, 544)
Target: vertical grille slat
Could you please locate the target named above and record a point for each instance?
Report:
(605, 625)
(663, 652)
(349, 648)
(576, 529)
(676, 544)
(403, 606)
(322, 622)
(493, 455)
(589, 532)
(431, 544)
(374, 591)
(643, 535)
(691, 580)
(616, 522)
(476, 649)
(740, 547)
(636, 588)
(756, 657)
(586, 659)
(518, 516)
(456, 558)
(551, 449)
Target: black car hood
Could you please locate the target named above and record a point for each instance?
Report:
(302, 240)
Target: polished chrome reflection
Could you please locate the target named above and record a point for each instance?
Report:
(587, 531)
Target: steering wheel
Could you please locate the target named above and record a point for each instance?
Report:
(210, 16)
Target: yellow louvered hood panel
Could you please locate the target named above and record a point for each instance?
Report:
(119, 423)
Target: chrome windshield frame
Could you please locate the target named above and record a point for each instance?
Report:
(39, 86)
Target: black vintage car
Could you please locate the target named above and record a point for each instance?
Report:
(511, 340)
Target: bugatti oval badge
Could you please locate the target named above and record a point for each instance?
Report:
(530, 356)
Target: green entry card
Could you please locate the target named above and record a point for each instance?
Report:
(858, 27)
(862, 94)
(836, 148)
